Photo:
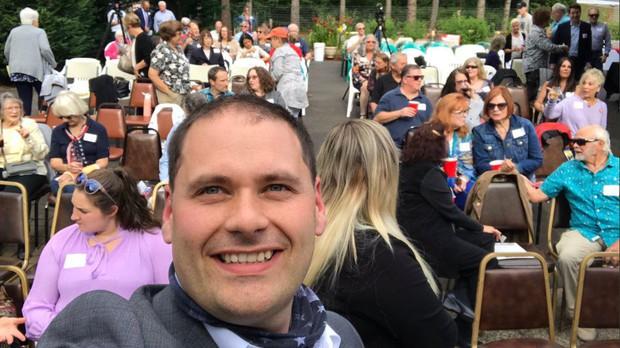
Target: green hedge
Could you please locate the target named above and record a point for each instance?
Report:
(472, 30)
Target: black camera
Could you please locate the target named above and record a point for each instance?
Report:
(379, 14)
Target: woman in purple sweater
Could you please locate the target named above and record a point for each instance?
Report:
(114, 245)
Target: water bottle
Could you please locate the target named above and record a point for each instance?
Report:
(146, 109)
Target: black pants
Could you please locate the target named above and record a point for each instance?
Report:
(596, 60)
(24, 91)
(32, 183)
(532, 82)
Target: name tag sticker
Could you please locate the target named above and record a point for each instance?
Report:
(75, 261)
(464, 147)
(216, 50)
(578, 105)
(486, 89)
(270, 100)
(611, 190)
(585, 36)
(90, 137)
(297, 44)
(421, 106)
(517, 133)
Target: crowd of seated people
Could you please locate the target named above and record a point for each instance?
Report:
(377, 259)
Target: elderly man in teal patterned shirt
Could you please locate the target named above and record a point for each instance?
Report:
(590, 184)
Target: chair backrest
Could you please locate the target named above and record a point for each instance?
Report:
(502, 293)
(491, 71)
(412, 54)
(158, 200)
(519, 94)
(111, 68)
(63, 209)
(431, 74)
(433, 92)
(113, 119)
(200, 72)
(502, 208)
(465, 52)
(52, 120)
(82, 68)
(141, 154)
(16, 286)
(553, 157)
(559, 221)
(597, 304)
(14, 212)
(517, 66)
(164, 122)
(136, 98)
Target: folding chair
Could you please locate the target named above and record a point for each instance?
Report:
(431, 74)
(517, 66)
(62, 210)
(523, 108)
(353, 95)
(52, 120)
(514, 298)
(164, 123)
(491, 71)
(433, 92)
(112, 117)
(82, 68)
(141, 155)
(14, 227)
(597, 304)
(158, 200)
(200, 73)
(111, 68)
(465, 52)
(558, 223)
(136, 102)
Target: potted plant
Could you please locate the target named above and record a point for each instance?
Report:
(325, 30)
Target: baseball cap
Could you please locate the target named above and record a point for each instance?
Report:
(280, 32)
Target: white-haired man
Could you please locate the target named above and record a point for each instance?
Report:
(163, 15)
(295, 39)
(559, 14)
(590, 184)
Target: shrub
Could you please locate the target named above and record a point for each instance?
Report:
(415, 30)
(615, 31)
(472, 30)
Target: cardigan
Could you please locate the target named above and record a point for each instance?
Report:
(28, 52)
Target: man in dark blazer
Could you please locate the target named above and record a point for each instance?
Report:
(145, 15)
(577, 35)
(243, 208)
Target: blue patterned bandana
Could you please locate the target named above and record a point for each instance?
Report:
(308, 319)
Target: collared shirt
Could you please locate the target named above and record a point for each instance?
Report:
(520, 145)
(225, 338)
(555, 25)
(173, 67)
(161, 17)
(211, 97)
(576, 113)
(601, 37)
(396, 100)
(573, 49)
(593, 198)
(94, 143)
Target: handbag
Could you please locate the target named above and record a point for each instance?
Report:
(122, 87)
(16, 169)
(124, 61)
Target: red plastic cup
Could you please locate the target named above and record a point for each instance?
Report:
(449, 167)
(413, 105)
(496, 165)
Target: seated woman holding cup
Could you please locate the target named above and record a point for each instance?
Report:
(79, 144)
(114, 245)
(561, 85)
(506, 138)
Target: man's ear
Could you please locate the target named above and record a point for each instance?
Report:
(320, 214)
(167, 216)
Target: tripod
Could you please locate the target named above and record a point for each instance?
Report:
(117, 13)
(379, 33)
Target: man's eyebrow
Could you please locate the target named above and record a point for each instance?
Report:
(281, 176)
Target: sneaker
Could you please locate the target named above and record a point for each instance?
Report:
(586, 334)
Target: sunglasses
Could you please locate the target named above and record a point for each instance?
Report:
(66, 117)
(460, 81)
(92, 186)
(415, 77)
(581, 141)
(471, 67)
(593, 15)
(499, 106)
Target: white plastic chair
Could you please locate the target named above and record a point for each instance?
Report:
(82, 68)
(412, 54)
(111, 68)
(517, 66)
(199, 72)
(431, 74)
(443, 59)
(242, 65)
(463, 52)
(613, 57)
(490, 71)
(353, 92)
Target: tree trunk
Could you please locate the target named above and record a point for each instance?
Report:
(295, 11)
(388, 9)
(412, 8)
(342, 11)
(480, 9)
(226, 15)
(434, 14)
(506, 15)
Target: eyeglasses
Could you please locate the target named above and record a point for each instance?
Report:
(67, 117)
(92, 186)
(582, 141)
(458, 82)
(499, 106)
(593, 15)
(415, 77)
(361, 28)
(471, 67)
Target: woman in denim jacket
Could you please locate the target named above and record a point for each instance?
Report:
(505, 137)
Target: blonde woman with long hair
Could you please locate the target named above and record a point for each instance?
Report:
(363, 266)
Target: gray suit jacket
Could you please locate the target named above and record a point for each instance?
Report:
(150, 318)
(28, 52)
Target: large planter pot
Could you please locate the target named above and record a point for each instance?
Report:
(331, 51)
(319, 51)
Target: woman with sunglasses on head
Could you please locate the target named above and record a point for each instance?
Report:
(114, 245)
(582, 108)
(363, 265)
(458, 82)
(477, 76)
(249, 50)
(505, 137)
(260, 83)
(363, 64)
(20, 141)
(561, 85)
(79, 144)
